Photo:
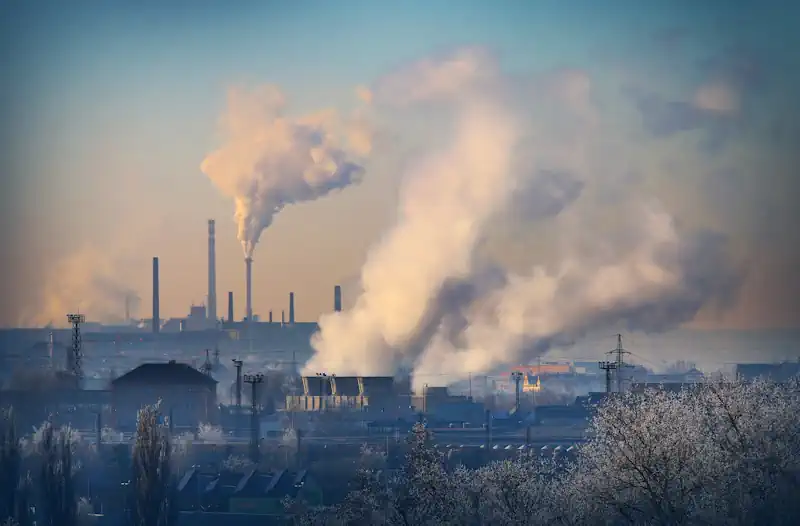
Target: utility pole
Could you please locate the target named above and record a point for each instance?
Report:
(608, 367)
(238, 417)
(517, 377)
(76, 354)
(254, 380)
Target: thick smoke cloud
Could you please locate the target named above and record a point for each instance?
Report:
(269, 160)
(433, 302)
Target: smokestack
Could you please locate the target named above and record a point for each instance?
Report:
(230, 307)
(248, 262)
(211, 311)
(337, 298)
(283, 317)
(270, 316)
(291, 307)
(156, 316)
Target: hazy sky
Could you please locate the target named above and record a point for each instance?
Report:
(109, 108)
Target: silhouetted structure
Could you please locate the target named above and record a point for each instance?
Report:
(230, 307)
(211, 310)
(248, 284)
(190, 394)
(156, 315)
(337, 298)
(291, 308)
(75, 361)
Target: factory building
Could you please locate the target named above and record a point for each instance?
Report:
(184, 392)
(354, 393)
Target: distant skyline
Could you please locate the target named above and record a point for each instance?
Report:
(109, 108)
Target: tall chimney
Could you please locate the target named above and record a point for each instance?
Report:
(230, 306)
(337, 298)
(156, 316)
(248, 262)
(270, 316)
(283, 316)
(211, 311)
(291, 307)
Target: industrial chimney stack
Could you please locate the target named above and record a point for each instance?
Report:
(337, 298)
(230, 307)
(248, 262)
(291, 307)
(211, 311)
(156, 316)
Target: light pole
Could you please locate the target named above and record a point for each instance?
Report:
(254, 380)
(238, 416)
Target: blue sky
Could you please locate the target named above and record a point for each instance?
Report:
(111, 106)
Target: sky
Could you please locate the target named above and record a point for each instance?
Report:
(110, 108)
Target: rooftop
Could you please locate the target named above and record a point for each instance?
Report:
(170, 372)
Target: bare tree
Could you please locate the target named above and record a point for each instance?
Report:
(153, 483)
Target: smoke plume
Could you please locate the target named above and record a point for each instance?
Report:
(90, 281)
(445, 202)
(269, 160)
(433, 301)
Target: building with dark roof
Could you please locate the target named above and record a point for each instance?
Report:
(187, 396)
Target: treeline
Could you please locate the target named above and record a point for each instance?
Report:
(37, 476)
(718, 454)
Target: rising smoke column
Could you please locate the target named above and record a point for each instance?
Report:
(427, 301)
(269, 160)
(445, 202)
(648, 276)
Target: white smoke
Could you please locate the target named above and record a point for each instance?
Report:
(269, 160)
(90, 281)
(652, 280)
(428, 301)
(445, 203)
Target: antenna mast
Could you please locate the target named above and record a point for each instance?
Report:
(75, 362)
(206, 367)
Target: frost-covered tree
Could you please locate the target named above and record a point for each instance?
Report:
(58, 504)
(15, 488)
(715, 454)
(238, 464)
(10, 465)
(719, 453)
(153, 484)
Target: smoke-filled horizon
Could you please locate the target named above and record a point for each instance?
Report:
(683, 111)
(429, 304)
